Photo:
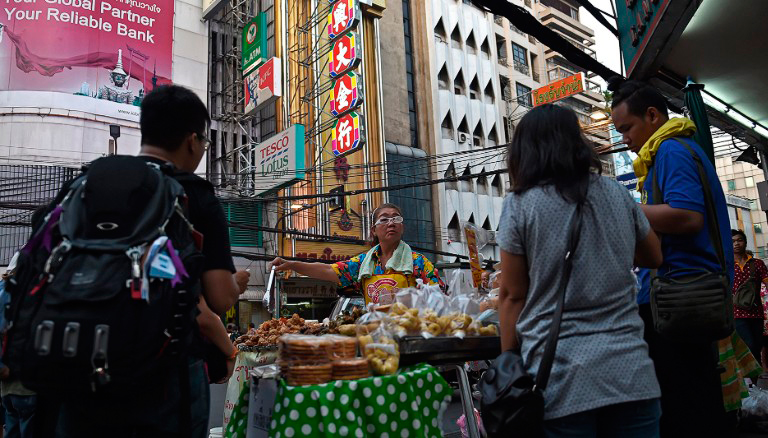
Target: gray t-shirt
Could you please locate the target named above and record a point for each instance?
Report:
(601, 356)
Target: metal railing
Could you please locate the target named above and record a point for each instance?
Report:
(522, 68)
(557, 73)
(536, 77)
(515, 29)
(498, 19)
(503, 61)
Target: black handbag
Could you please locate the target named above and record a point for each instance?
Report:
(512, 400)
(747, 296)
(697, 307)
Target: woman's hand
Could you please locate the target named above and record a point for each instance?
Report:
(281, 265)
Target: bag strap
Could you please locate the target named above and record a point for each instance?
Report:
(542, 377)
(713, 226)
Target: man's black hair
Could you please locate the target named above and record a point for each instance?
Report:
(548, 147)
(170, 113)
(639, 96)
(735, 233)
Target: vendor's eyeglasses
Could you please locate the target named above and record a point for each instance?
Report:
(389, 220)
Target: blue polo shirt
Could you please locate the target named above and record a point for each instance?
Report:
(680, 184)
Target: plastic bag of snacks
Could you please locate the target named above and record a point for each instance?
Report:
(404, 313)
(305, 359)
(377, 343)
(342, 347)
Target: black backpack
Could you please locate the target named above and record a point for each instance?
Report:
(88, 311)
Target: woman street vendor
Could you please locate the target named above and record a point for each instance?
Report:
(389, 265)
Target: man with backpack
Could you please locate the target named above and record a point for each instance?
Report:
(748, 307)
(685, 205)
(115, 286)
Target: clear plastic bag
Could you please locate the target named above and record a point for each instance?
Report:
(755, 407)
(404, 313)
(377, 343)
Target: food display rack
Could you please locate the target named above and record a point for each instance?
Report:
(452, 352)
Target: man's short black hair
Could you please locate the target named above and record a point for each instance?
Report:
(170, 113)
(639, 96)
(735, 233)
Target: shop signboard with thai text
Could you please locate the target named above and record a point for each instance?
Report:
(263, 85)
(109, 53)
(280, 160)
(332, 252)
(558, 90)
(254, 42)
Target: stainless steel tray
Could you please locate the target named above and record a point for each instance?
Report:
(442, 350)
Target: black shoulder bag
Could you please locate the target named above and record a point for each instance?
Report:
(697, 307)
(747, 296)
(512, 401)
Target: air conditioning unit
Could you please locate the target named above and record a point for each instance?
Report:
(463, 138)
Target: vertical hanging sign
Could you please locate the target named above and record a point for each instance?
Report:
(348, 133)
(254, 43)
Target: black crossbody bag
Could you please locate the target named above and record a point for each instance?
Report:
(696, 307)
(512, 401)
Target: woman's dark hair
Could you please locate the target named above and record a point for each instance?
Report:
(169, 113)
(549, 148)
(639, 96)
(735, 233)
(375, 216)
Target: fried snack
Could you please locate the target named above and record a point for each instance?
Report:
(348, 329)
(383, 355)
(350, 369)
(304, 350)
(300, 375)
(489, 330)
(342, 347)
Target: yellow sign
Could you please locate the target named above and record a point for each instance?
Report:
(334, 252)
(345, 223)
(558, 90)
(474, 257)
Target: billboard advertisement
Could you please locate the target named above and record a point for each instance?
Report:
(110, 51)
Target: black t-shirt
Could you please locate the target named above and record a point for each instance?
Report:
(207, 217)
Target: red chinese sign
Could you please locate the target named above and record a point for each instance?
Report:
(347, 94)
(345, 55)
(348, 134)
(344, 16)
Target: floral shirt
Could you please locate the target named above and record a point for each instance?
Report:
(349, 270)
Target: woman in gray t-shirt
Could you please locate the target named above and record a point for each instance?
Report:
(603, 382)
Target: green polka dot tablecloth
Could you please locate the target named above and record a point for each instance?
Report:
(407, 404)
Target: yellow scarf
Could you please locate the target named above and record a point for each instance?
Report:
(679, 127)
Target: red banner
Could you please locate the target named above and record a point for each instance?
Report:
(114, 50)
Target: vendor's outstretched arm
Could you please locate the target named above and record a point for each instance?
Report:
(669, 220)
(320, 271)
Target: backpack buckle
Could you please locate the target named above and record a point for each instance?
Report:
(135, 282)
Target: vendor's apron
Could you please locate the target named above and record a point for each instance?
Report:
(376, 285)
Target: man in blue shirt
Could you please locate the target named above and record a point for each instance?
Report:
(692, 403)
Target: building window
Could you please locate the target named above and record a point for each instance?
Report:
(749, 181)
(474, 89)
(523, 95)
(758, 228)
(447, 127)
(416, 202)
(412, 115)
(244, 212)
(753, 205)
(454, 229)
(443, 80)
(731, 184)
(459, 85)
(519, 54)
